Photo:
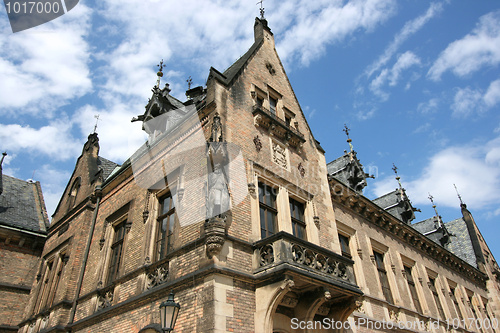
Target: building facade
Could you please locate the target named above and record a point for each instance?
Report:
(230, 205)
(23, 229)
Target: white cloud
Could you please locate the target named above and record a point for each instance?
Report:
(428, 107)
(478, 49)
(53, 182)
(392, 76)
(492, 95)
(468, 101)
(465, 102)
(311, 25)
(54, 140)
(118, 136)
(474, 168)
(44, 67)
(409, 29)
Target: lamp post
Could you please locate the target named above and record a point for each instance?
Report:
(169, 310)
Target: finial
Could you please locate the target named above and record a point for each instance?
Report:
(459, 197)
(96, 121)
(261, 9)
(189, 82)
(3, 156)
(346, 130)
(431, 198)
(159, 74)
(395, 169)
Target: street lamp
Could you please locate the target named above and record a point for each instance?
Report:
(169, 310)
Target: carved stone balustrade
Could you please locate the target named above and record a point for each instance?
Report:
(156, 274)
(283, 249)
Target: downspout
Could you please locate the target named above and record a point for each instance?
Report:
(98, 194)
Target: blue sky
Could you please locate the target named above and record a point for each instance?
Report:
(417, 82)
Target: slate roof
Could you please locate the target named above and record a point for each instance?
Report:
(22, 206)
(460, 242)
(107, 166)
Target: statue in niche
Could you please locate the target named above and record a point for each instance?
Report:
(218, 199)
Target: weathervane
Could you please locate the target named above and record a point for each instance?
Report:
(189, 82)
(346, 130)
(159, 74)
(96, 121)
(459, 197)
(261, 9)
(395, 169)
(431, 198)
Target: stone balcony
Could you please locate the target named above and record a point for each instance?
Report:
(277, 127)
(285, 252)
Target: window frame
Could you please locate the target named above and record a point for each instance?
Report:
(299, 226)
(413, 288)
(267, 209)
(114, 268)
(435, 295)
(345, 247)
(383, 278)
(171, 215)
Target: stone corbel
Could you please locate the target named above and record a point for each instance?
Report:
(251, 189)
(372, 258)
(215, 235)
(316, 221)
(360, 253)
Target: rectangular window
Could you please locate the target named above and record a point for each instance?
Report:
(47, 276)
(455, 302)
(436, 298)
(268, 210)
(382, 274)
(272, 105)
(298, 223)
(344, 246)
(55, 283)
(116, 252)
(260, 101)
(165, 228)
(413, 289)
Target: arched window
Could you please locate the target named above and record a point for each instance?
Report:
(73, 193)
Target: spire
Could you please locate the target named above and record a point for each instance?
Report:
(1, 175)
(159, 74)
(462, 204)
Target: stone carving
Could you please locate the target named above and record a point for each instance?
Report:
(104, 298)
(258, 143)
(279, 155)
(215, 231)
(323, 310)
(289, 301)
(157, 277)
(302, 170)
(252, 189)
(316, 221)
(360, 306)
(266, 255)
(394, 315)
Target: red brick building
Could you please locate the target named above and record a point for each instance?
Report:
(231, 205)
(23, 229)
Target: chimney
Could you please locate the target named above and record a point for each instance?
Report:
(1, 174)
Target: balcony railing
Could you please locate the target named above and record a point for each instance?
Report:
(277, 126)
(283, 248)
